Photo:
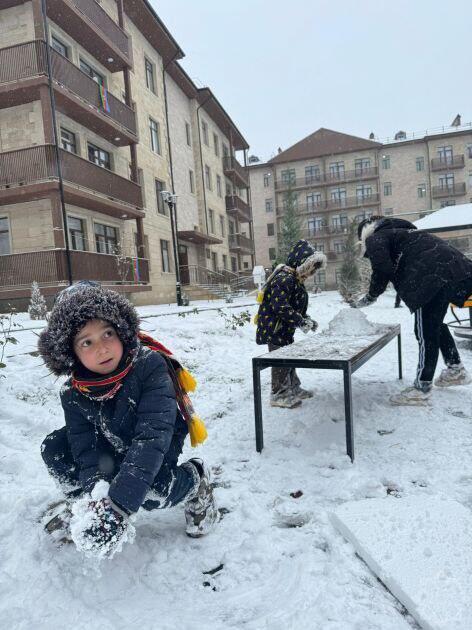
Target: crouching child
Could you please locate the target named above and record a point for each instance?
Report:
(127, 415)
(283, 309)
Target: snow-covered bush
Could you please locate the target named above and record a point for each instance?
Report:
(37, 308)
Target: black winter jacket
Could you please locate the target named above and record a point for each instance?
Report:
(285, 302)
(135, 427)
(418, 264)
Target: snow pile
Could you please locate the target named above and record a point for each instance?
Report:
(351, 322)
(420, 548)
(84, 519)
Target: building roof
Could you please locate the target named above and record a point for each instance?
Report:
(323, 142)
(447, 219)
(216, 111)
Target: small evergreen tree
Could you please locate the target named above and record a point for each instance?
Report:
(289, 226)
(37, 308)
(350, 277)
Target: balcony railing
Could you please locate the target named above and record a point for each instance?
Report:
(446, 163)
(49, 267)
(37, 164)
(239, 241)
(28, 60)
(352, 202)
(328, 179)
(105, 23)
(235, 204)
(232, 167)
(449, 191)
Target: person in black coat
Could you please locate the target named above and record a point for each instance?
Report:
(124, 417)
(282, 310)
(428, 274)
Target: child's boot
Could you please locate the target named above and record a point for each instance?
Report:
(201, 513)
(56, 521)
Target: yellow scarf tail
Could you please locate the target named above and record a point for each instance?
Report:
(197, 430)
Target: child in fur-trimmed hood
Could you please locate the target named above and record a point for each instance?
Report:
(127, 414)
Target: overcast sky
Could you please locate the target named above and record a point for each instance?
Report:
(284, 68)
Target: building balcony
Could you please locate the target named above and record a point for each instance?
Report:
(23, 70)
(447, 163)
(352, 202)
(91, 26)
(235, 172)
(453, 190)
(328, 179)
(32, 173)
(240, 244)
(238, 208)
(49, 269)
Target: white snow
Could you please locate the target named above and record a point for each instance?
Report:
(421, 549)
(448, 217)
(351, 322)
(284, 565)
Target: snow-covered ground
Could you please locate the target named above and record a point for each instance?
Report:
(283, 565)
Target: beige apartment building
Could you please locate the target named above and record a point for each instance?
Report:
(337, 178)
(130, 124)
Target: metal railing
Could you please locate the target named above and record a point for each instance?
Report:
(448, 191)
(194, 274)
(22, 61)
(26, 166)
(94, 12)
(445, 163)
(231, 165)
(49, 267)
(238, 205)
(327, 179)
(238, 241)
(352, 202)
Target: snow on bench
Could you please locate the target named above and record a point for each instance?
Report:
(421, 549)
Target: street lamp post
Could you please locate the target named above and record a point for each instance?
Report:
(171, 200)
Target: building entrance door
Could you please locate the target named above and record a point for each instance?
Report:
(183, 264)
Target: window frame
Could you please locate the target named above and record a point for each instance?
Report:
(72, 233)
(60, 43)
(149, 67)
(6, 231)
(67, 142)
(155, 136)
(159, 186)
(101, 163)
(106, 239)
(165, 255)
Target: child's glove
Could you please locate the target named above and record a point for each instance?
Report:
(108, 525)
(308, 324)
(367, 300)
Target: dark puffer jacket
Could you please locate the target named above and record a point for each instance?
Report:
(135, 428)
(285, 302)
(418, 264)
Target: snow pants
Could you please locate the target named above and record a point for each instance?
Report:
(284, 380)
(434, 336)
(171, 486)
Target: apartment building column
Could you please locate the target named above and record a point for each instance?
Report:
(38, 20)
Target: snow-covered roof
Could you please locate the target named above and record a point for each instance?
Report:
(448, 219)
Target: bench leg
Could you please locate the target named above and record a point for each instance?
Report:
(400, 369)
(348, 412)
(256, 377)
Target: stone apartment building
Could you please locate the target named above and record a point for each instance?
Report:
(336, 178)
(130, 123)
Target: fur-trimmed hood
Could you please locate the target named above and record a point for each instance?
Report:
(305, 259)
(75, 307)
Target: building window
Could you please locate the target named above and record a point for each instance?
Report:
(288, 176)
(165, 259)
(106, 239)
(225, 261)
(154, 133)
(161, 204)
(59, 47)
(336, 170)
(270, 229)
(319, 247)
(225, 150)
(218, 186)
(339, 247)
(447, 181)
(216, 145)
(362, 165)
(222, 227)
(191, 180)
(234, 264)
(320, 278)
(267, 180)
(150, 81)
(469, 150)
(272, 253)
(91, 72)
(421, 190)
(338, 277)
(448, 202)
(214, 261)
(208, 181)
(205, 133)
(313, 201)
(339, 196)
(387, 189)
(363, 192)
(445, 154)
(388, 212)
(385, 162)
(68, 141)
(77, 234)
(188, 134)
(268, 205)
(420, 164)
(312, 174)
(98, 156)
(315, 225)
(211, 220)
(4, 237)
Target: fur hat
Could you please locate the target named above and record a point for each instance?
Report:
(74, 307)
(316, 261)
